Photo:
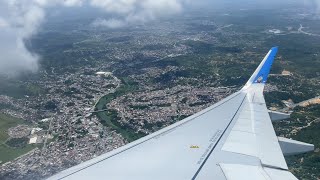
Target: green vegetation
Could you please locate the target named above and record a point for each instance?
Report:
(200, 47)
(8, 153)
(296, 87)
(34, 90)
(110, 118)
(17, 142)
(163, 105)
(304, 166)
(197, 104)
(81, 131)
(140, 107)
(184, 100)
(50, 105)
(17, 89)
(155, 47)
(276, 97)
(178, 118)
(7, 122)
(43, 125)
(6, 106)
(299, 49)
(310, 161)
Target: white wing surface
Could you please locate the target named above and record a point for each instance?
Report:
(233, 139)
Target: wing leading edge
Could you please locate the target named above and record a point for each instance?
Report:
(228, 140)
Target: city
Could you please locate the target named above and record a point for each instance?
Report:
(98, 89)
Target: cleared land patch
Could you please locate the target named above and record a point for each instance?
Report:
(8, 153)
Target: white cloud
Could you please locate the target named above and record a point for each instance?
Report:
(70, 3)
(162, 6)
(20, 19)
(116, 6)
(3, 23)
(110, 23)
(14, 55)
(315, 4)
(136, 11)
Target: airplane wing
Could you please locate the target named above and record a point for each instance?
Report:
(232, 139)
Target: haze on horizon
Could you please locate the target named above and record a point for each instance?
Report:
(21, 19)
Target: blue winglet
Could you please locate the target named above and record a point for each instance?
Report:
(263, 70)
(262, 75)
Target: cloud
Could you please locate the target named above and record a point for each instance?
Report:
(110, 23)
(20, 19)
(3, 23)
(136, 11)
(127, 7)
(315, 4)
(17, 23)
(70, 3)
(14, 55)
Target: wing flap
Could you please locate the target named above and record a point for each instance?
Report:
(278, 174)
(253, 133)
(239, 171)
(242, 142)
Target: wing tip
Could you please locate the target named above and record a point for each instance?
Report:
(275, 48)
(262, 72)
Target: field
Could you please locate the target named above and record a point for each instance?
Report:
(7, 153)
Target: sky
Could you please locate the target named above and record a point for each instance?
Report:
(21, 19)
